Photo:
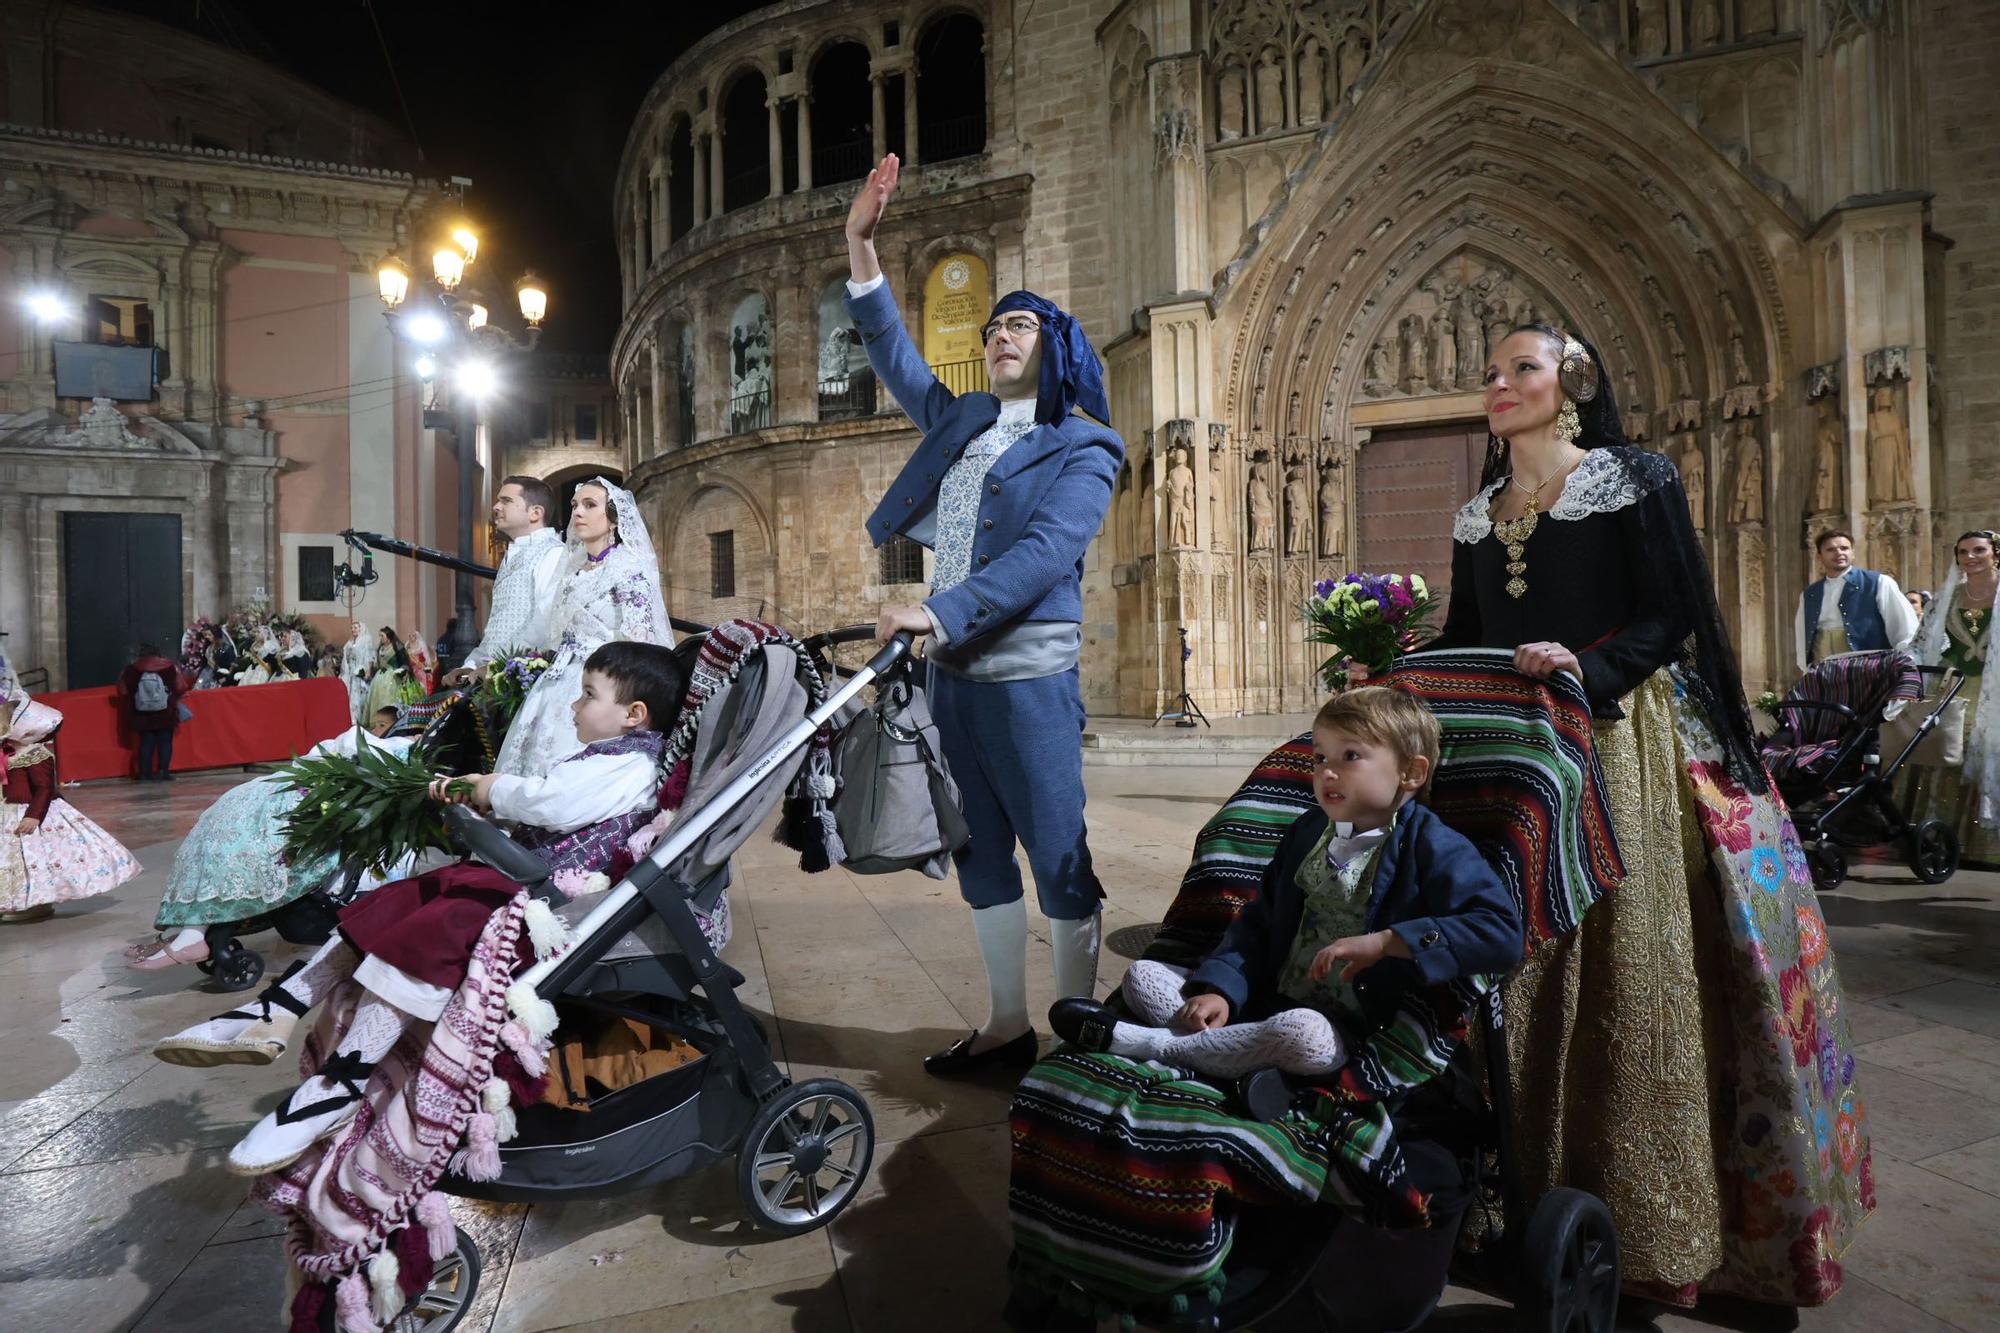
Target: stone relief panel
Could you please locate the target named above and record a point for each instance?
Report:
(1754, 111)
(1441, 338)
(1276, 66)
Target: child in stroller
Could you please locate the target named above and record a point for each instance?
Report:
(1835, 756)
(1369, 893)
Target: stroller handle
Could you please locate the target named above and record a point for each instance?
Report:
(550, 975)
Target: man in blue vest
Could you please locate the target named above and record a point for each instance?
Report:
(1849, 610)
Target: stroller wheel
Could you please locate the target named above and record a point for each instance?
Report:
(1934, 851)
(1569, 1266)
(441, 1305)
(1829, 867)
(232, 966)
(804, 1156)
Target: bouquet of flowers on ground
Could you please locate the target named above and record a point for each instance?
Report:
(1367, 619)
(502, 686)
(373, 807)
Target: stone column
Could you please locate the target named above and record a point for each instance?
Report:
(910, 114)
(661, 223)
(17, 584)
(879, 115)
(776, 149)
(805, 143)
(657, 354)
(700, 185)
(715, 172)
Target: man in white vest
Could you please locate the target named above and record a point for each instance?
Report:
(525, 587)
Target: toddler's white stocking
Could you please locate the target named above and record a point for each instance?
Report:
(333, 963)
(373, 1033)
(1153, 991)
(1298, 1041)
(1003, 946)
(1074, 945)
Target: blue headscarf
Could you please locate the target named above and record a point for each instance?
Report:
(1070, 377)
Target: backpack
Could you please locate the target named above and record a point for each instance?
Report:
(150, 695)
(898, 808)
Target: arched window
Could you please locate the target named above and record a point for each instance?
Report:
(846, 384)
(750, 365)
(746, 142)
(843, 134)
(680, 181)
(951, 89)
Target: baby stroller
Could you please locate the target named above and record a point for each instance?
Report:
(1826, 757)
(802, 1151)
(460, 737)
(1556, 1258)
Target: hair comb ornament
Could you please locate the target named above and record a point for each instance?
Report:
(1578, 372)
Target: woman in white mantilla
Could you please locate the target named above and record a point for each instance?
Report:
(610, 589)
(1957, 632)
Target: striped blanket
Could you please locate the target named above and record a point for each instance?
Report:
(1808, 739)
(1126, 1177)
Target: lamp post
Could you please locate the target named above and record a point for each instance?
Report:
(455, 335)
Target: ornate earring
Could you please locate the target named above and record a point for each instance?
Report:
(1568, 424)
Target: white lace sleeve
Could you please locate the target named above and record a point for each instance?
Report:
(1598, 486)
(1475, 518)
(632, 597)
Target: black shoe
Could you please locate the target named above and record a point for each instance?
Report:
(959, 1059)
(1084, 1024)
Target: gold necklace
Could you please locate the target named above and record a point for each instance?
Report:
(1514, 533)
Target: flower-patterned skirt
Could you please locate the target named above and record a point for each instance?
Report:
(68, 858)
(1685, 1055)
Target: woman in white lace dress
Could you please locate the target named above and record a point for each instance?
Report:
(610, 589)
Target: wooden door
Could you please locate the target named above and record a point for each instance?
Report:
(121, 587)
(1409, 483)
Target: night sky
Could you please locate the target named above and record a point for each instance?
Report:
(532, 101)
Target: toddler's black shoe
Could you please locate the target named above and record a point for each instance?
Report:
(1084, 1024)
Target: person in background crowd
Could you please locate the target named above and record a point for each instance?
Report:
(1849, 609)
(150, 690)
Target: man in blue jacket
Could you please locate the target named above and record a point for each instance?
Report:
(1849, 609)
(1007, 489)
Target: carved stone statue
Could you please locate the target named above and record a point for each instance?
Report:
(1693, 465)
(1332, 508)
(1380, 376)
(1829, 444)
(1353, 55)
(1652, 28)
(1465, 324)
(1180, 500)
(1270, 93)
(1217, 518)
(1298, 510)
(1678, 350)
(1890, 473)
(1707, 22)
(1746, 503)
(1499, 323)
(1263, 504)
(1312, 83)
(1754, 18)
(1230, 117)
(1416, 376)
(1444, 364)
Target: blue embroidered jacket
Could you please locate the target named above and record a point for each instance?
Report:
(1044, 499)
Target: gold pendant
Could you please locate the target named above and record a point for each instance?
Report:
(1516, 588)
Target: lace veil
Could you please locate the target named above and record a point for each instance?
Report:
(1982, 736)
(634, 551)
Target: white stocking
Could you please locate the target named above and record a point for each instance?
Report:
(1153, 991)
(1298, 1041)
(1074, 946)
(376, 1027)
(331, 964)
(1003, 945)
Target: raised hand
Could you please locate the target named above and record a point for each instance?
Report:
(865, 213)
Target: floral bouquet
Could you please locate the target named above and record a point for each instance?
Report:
(1768, 702)
(374, 807)
(199, 638)
(1367, 619)
(503, 685)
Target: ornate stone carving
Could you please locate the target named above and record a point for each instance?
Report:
(1677, 351)
(1746, 502)
(1229, 104)
(1693, 465)
(103, 426)
(1444, 345)
(1739, 357)
(1263, 502)
(1684, 415)
(1842, 19)
(1706, 26)
(1465, 325)
(1650, 32)
(1380, 373)
(1829, 446)
(1218, 459)
(1332, 502)
(1312, 83)
(1415, 375)
(1891, 475)
(1885, 364)
(1270, 93)
(1298, 507)
(1754, 18)
(1180, 497)
(1822, 380)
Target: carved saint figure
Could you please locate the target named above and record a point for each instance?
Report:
(1693, 467)
(1416, 376)
(1707, 22)
(1678, 350)
(1652, 30)
(1381, 376)
(1353, 55)
(1444, 339)
(1332, 506)
(1263, 504)
(1754, 18)
(1216, 530)
(1746, 504)
(1465, 324)
(1229, 116)
(1298, 510)
(1180, 499)
(1499, 323)
(1270, 93)
(1828, 446)
(1312, 83)
(1889, 467)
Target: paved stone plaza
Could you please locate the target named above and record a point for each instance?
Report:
(115, 1211)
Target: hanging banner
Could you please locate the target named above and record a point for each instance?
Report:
(957, 295)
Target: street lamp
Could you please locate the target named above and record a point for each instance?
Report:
(49, 308)
(456, 335)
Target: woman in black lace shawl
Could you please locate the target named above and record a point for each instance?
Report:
(1684, 1055)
